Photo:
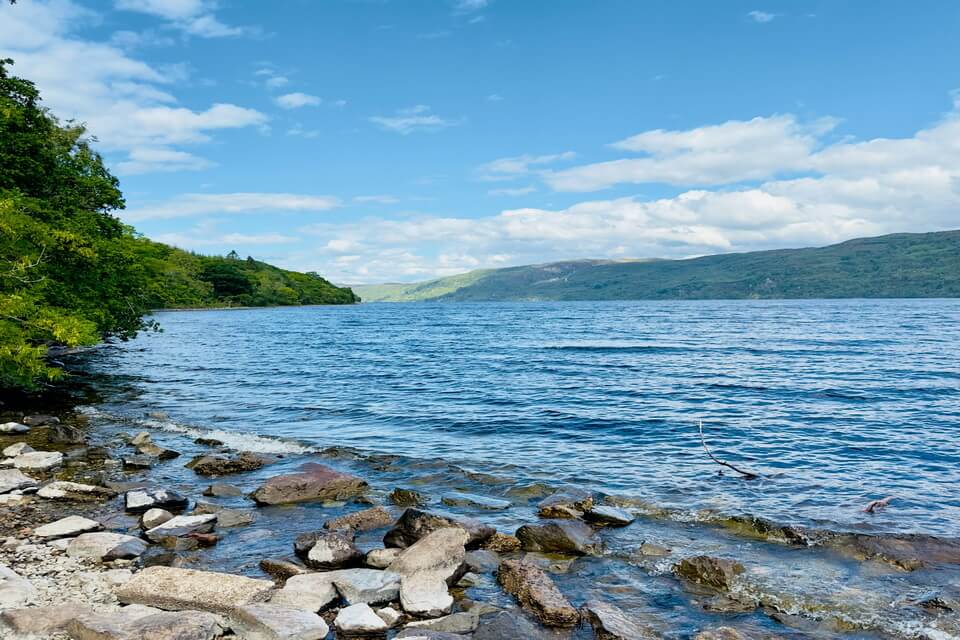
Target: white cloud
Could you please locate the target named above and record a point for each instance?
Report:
(414, 119)
(126, 103)
(734, 151)
(203, 204)
(299, 131)
(519, 191)
(377, 199)
(517, 166)
(192, 17)
(297, 100)
(761, 16)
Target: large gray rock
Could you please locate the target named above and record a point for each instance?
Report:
(38, 460)
(354, 585)
(223, 490)
(425, 595)
(611, 623)
(570, 503)
(41, 622)
(75, 491)
(440, 553)
(415, 524)
(381, 558)
(67, 528)
(154, 518)
(359, 620)
(273, 622)
(15, 450)
(184, 589)
(463, 623)
(570, 537)
(313, 482)
(609, 516)
(182, 526)
(140, 500)
(15, 590)
(15, 480)
(372, 518)
(327, 550)
(457, 499)
(132, 625)
(508, 624)
(105, 546)
(303, 591)
(13, 427)
(537, 593)
(226, 518)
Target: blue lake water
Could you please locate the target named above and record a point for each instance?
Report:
(835, 403)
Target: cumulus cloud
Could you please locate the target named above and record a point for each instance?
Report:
(518, 191)
(414, 119)
(192, 17)
(296, 100)
(202, 204)
(761, 16)
(518, 166)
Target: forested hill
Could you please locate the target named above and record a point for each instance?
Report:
(921, 265)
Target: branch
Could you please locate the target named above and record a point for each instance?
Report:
(747, 475)
(878, 505)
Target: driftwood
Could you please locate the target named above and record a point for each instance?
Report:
(747, 475)
(878, 505)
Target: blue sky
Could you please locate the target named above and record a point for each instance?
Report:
(379, 140)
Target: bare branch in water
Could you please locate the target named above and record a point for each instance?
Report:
(747, 475)
(878, 505)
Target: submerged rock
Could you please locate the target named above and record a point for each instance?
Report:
(184, 589)
(373, 518)
(716, 573)
(407, 498)
(569, 537)
(611, 623)
(222, 490)
(313, 482)
(415, 524)
(508, 624)
(472, 500)
(536, 592)
(68, 527)
(567, 504)
(226, 518)
(140, 500)
(158, 452)
(65, 434)
(105, 546)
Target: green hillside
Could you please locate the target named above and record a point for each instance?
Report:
(921, 265)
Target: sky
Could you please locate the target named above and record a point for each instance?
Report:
(402, 140)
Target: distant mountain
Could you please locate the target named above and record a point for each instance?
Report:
(903, 265)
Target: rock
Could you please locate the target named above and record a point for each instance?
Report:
(501, 543)
(13, 427)
(222, 490)
(63, 490)
(366, 520)
(140, 500)
(390, 616)
(313, 482)
(567, 504)
(226, 518)
(568, 537)
(424, 634)
(140, 439)
(716, 573)
(209, 442)
(536, 592)
(654, 550)
(40, 420)
(156, 451)
(462, 623)
(415, 524)
(162, 625)
(65, 434)
(210, 465)
(908, 552)
(33, 622)
(381, 558)
(308, 595)
(425, 595)
(609, 516)
(274, 622)
(440, 553)
(472, 500)
(333, 551)
(281, 570)
(407, 498)
(13, 499)
(15, 480)
(38, 460)
(182, 526)
(611, 623)
(355, 585)
(178, 589)
(720, 633)
(482, 561)
(15, 591)
(359, 620)
(15, 450)
(68, 527)
(138, 462)
(154, 518)
(104, 547)
(508, 624)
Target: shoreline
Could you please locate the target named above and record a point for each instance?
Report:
(565, 529)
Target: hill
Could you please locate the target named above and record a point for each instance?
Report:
(905, 265)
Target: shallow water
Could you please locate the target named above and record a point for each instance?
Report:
(834, 403)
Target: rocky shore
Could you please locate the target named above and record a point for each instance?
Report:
(89, 554)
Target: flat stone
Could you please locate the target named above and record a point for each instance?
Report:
(38, 460)
(570, 537)
(105, 546)
(141, 438)
(163, 625)
(15, 450)
(354, 585)
(359, 620)
(138, 462)
(462, 623)
(140, 500)
(389, 615)
(13, 499)
(211, 465)
(273, 622)
(381, 558)
(307, 595)
(611, 623)
(154, 518)
(226, 518)
(222, 490)
(15, 590)
(178, 589)
(15, 480)
(537, 593)
(482, 561)
(716, 573)
(366, 520)
(425, 595)
(440, 553)
(43, 621)
(415, 524)
(609, 516)
(63, 490)
(13, 427)
(67, 528)
(509, 624)
(158, 452)
(313, 482)
(182, 525)
(570, 504)
(475, 501)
